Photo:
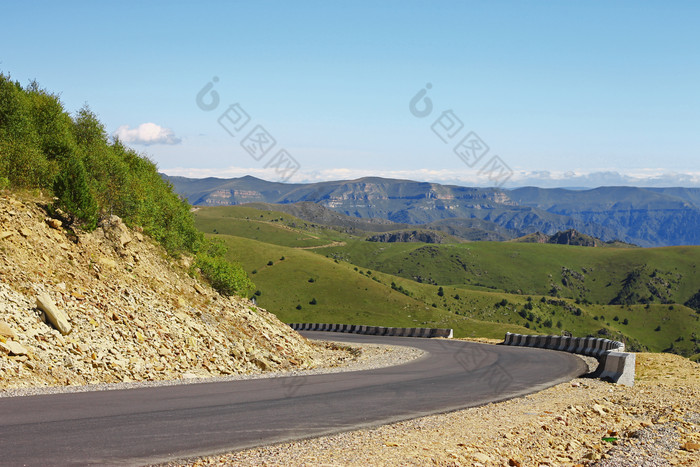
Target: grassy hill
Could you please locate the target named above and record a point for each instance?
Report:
(266, 226)
(301, 286)
(479, 288)
(596, 275)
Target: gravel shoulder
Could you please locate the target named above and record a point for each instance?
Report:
(333, 358)
(582, 422)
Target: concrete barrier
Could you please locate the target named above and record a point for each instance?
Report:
(374, 330)
(616, 367)
(581, 345)
(614, 364)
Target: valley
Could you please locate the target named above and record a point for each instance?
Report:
(643, 296)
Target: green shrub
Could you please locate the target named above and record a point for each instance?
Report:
(53, 125)
(227, 278)
(74, 195)
(24, 165)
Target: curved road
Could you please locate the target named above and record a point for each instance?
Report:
(139, 426)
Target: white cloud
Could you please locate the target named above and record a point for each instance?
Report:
(607, 177)
(146, 134)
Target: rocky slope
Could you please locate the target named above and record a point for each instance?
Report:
(126, 311)
(570, 237)
(404, 236)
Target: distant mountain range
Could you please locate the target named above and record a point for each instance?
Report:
(642, 216)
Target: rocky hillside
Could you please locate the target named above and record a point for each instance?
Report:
(408, 236)
(112, 306)
(570, 237)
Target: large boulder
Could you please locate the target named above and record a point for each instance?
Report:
(55, 316)
(115, 229)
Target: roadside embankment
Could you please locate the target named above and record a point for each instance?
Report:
(111, 306)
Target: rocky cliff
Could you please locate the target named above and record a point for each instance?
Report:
(570, 237)
(111, 306)
(409, 236)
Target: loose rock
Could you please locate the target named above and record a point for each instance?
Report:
(7, 331)
(55, 316)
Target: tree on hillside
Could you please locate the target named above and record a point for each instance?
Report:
(21, 160)
(73, 192)
(88, 131)
(53, 126)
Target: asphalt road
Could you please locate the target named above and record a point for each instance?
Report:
(150, 425)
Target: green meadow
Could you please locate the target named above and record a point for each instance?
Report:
(306, 272)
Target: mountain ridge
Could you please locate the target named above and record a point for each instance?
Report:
(642, 216)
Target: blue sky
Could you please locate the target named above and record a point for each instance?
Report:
(565, 93)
